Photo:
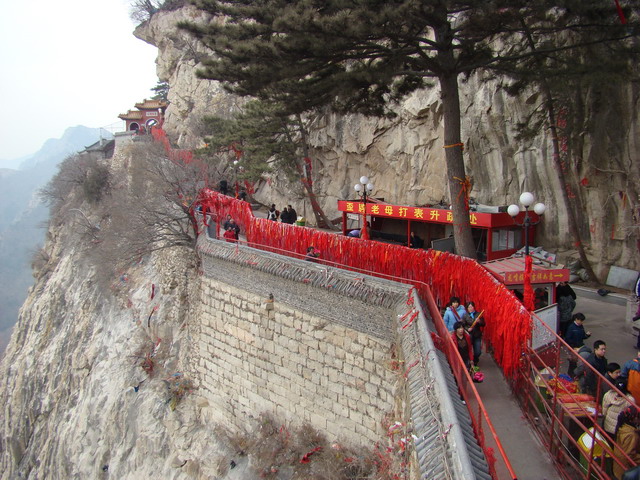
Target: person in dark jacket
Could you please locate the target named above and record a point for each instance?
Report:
(566, 298)
(575, 337)
(576, 333)
(224, 187)
(284, 215)
(474, 323)
(613, 373)
(599, 362)
(293, 215)
(462, 340)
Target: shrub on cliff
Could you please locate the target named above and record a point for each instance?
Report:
(150, 210)
(80, 177)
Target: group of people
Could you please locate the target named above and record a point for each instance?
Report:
(575, 336)
(231, 230)
(288, 214)
(223, 187)
(620, 419)
(465, 325)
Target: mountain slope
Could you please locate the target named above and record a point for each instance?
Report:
(22, 215)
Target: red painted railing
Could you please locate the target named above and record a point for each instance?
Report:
(437, 276)
(293, 241)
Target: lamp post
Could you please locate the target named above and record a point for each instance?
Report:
(527, 199)
(364, 189)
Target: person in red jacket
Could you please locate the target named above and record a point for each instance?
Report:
(230, 235)
(463, 341)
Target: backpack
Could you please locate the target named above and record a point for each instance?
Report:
(633, 383)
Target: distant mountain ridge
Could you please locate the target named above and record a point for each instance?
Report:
(73, 140)
(22, 215)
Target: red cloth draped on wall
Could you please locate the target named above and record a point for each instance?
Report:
(528, 289)
(508, 326)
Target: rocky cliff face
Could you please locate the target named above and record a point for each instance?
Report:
(404, 157)
(76, 400)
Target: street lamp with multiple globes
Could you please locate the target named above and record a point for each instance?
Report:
(364, 189)
(527, 199)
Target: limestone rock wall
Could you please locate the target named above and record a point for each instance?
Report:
(404, 157)
(75, 402)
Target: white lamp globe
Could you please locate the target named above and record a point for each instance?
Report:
(526, 199)
(364, 180)
(358, 187)
(370, 187)
(513, 210)
(539, 208)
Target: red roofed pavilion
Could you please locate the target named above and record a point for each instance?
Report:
(149, 113)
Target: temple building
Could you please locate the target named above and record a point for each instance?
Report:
(148, 114)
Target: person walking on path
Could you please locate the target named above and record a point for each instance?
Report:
(599, 362)
(462, 340)
(293, 215)
(227, 222)
(575, 337)
(284, 215)
(232, 225)
(474, 323)
(453, 313)
(566, 303)
(273, 214)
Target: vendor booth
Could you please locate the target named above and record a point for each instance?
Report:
(544, 277)
(495, 235)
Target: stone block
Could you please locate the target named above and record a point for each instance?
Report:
(368, 354)
(319, 421)
(336, 388)
(622, 277)
(371, 389)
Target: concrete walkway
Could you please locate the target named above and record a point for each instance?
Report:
(607, 320)
(529, 459)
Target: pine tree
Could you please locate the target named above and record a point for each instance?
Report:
(600, 56)
(271, 138)
(161, 91)
(363, 56)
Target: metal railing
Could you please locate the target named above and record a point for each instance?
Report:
(499, 465)
(566, 420)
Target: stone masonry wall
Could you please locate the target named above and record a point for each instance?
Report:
(294, 358)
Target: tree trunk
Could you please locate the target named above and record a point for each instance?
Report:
(321, 218)
(557, 164)
(459, 189)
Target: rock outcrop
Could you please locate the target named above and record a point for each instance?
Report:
(404, 157)
(78, 397)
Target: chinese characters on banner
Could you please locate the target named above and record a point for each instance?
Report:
(547, 276)
(409, 213)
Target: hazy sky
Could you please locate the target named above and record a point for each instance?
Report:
(65, 63)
